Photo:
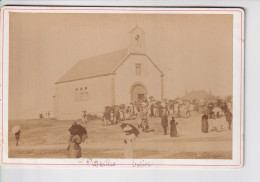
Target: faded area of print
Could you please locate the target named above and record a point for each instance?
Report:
(121, 86)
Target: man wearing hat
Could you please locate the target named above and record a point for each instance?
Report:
(229, 119)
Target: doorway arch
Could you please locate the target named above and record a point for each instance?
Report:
(138, 91)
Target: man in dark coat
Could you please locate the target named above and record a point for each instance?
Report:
(17, 137)
(116, 114)
(204, 123)
(229, 119)
(164, 123)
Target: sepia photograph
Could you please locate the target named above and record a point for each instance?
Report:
(124, 85)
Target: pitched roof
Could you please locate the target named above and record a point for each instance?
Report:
(94, 66)
(136, 28)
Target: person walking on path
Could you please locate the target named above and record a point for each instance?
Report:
(16, 130)
(164, 123)
(17, 137)
(173, 128)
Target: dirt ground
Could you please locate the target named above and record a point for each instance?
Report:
(49, 139)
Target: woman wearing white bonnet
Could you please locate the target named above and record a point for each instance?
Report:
(130, 133)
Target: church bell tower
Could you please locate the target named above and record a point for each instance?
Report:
(137, 40)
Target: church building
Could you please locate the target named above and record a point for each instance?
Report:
(117, 77)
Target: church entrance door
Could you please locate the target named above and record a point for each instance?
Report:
(138, 92)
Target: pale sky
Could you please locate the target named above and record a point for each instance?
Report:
(195, 52)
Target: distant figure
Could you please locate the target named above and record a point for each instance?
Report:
(135, 111)
(178, 127)
(145, 125)
(116, 115)
(84, 118)
(218, 122)
(74, 146)
(164, 123)
(16, 130)
(204, 123)
(46, 115)
(161, 111)
(211, 113)
(224, 108)
(155, 111)
(112, 117)
(229, 119)
(106, 117)
(152, 110)
(17, 137)
(41, 116)
(128, 113)
(122, 113)
(49, 114)
(139, 118)
(173, 128)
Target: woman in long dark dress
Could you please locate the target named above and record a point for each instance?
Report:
(204, 123)
(173, 129)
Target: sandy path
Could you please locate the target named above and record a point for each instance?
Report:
(49, 139)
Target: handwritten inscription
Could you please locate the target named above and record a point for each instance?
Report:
(141, 163)
(100, 163)
(110, 163)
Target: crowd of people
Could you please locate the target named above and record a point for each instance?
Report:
(214, 118)
(140, 111)
(152, 108)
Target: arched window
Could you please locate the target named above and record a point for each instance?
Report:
(76, 94)
(81, 94)
(85, 93)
